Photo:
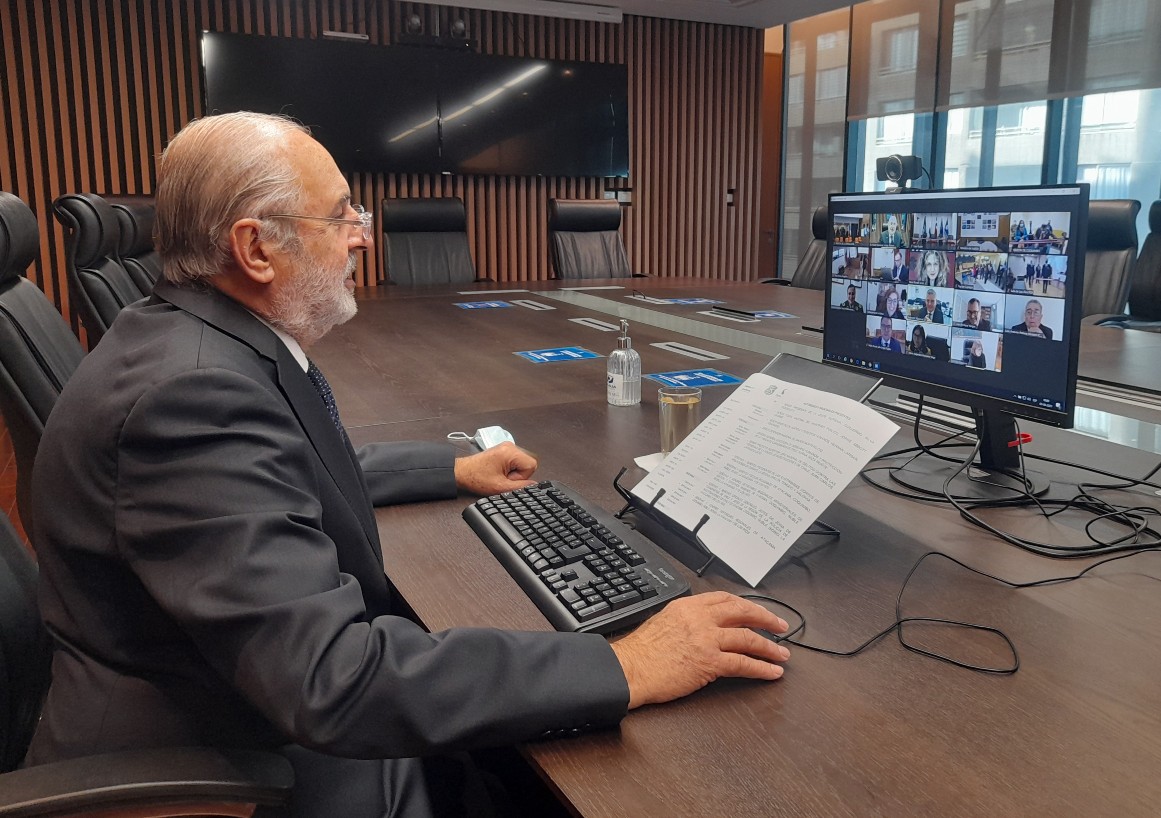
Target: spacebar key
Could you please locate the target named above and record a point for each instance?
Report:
(505, 528)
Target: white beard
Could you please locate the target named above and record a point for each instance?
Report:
(318, 300)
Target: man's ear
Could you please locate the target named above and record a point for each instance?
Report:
(251, 253)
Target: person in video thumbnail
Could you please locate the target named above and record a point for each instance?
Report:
(892, 305)
(934, 269)
(976, 357)
(932, 311)
(972, 319)
(918, 345)
(1033, 313)
(899, 271)
(852, 302)
(892, 234)
(1019, 235)
(886, 339)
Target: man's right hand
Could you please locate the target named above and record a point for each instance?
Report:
(695, 640)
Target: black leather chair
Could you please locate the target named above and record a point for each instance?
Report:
(426, 242)
(1110, 255)
(99, 286)
(1145, 291)
(135, 249)
(585, 239)
(193, 781)
(811, 271)
(38, 351)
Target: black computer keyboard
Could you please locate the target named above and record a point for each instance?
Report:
(584, 569)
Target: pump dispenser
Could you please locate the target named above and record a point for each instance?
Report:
(624, 371)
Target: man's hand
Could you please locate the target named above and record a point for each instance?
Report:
(695, 640)
(501, 468)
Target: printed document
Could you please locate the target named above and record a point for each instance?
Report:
(764, 466)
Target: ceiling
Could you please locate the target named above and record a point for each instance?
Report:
(751, 13)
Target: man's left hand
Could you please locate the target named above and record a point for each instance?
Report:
(501, 468)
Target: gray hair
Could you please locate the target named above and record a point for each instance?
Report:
(215, 171)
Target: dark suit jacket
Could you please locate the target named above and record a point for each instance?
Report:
(212, 575)
(1023, 327)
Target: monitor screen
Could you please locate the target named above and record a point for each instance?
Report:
(968, 295)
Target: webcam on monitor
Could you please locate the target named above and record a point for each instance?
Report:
(898, 169)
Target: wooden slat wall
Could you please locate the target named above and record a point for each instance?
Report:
(93, 89)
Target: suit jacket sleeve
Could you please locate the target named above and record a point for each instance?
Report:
(218, 516)
(408, 472)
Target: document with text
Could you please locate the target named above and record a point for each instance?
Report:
(764, 466)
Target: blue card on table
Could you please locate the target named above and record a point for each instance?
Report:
(694, 377)
(547, 356)
(773, 314)
(482, 305)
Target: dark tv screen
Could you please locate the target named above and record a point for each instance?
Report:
(504, 115)
(405, 109)
(372, 108)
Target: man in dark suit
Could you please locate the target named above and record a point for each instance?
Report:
(972, 319)
(211, 570)
(932, 310)
(899, 272)
(886, 338)
(891, 234)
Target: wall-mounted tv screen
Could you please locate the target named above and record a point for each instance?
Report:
(406, 109)
(969, 295)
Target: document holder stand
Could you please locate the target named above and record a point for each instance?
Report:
(689, 539)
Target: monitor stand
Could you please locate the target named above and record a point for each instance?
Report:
(996, 476)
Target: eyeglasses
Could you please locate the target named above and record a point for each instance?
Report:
(365, 220)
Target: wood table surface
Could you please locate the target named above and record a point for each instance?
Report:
(1077, 731)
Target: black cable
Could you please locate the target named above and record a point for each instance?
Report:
(898, 628)
(1137, 534)
(900, 620)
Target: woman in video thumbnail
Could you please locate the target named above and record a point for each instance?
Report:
(918, 345)
(934, 268)
(977, 358)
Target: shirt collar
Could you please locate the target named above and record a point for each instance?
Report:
(291, 344)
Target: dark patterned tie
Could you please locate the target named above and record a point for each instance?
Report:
(328, 397)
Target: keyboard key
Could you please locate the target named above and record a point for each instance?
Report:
(593, 611)
(624, 600)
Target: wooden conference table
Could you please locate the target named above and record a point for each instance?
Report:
(1076, 731)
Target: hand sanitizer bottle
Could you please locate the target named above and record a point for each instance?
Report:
(624, 371)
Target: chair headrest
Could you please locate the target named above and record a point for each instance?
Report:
(136, 228)
(1155, 217)
(445, 215)
(1112, 224)
(584, 215)
(19, 237)
(94, 226)
(819, 223)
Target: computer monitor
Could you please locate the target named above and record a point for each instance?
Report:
(972, 296)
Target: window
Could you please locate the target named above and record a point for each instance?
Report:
(1117, 19)
(1107, 181)
(1118, 151)
(1117, 108)
(795, 89)
(960, 35)
(832, 84)
(902, 53)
